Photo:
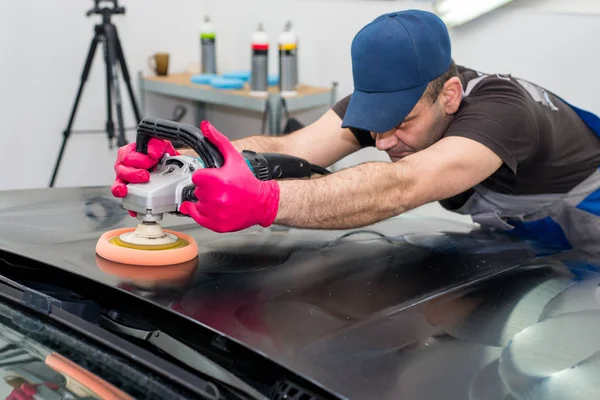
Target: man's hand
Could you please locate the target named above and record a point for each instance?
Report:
(132, 166)
(230, 198)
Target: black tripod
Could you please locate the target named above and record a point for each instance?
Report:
(113, 53)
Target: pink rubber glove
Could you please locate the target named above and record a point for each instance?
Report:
(131, 166)
(230, 198)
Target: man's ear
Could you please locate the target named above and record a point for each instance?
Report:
(452, 95)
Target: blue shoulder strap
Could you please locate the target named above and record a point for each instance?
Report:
(590, 119)
(547, 230)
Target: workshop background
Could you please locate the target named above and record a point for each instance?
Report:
(45, 44)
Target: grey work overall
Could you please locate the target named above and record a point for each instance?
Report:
(567, 220)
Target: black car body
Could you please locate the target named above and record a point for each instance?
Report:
(409, 308)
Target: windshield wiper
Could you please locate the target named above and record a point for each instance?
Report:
(178, 350)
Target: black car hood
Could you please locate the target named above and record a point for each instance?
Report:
(412, 307)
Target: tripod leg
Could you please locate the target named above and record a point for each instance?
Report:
(126, 77)
(67, 131)
(110, 127)
(111, 47)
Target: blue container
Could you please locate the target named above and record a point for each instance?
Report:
(203, 79)
(242, 75)
(273, 80)
(227, 83)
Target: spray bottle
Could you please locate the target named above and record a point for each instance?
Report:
(296, 69)
(288, 61)
(208, 58)
(259, 77)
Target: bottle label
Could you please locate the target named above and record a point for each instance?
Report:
(207, 36)
(287, 46)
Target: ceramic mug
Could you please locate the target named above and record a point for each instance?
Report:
(159, 63)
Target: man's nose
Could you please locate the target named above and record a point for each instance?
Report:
(384, 141)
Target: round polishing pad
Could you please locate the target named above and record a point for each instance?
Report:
(112, 247)
(242, 75)
(203, 79)
(148, 234)
(225, 83)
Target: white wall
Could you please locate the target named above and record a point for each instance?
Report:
(45, 42)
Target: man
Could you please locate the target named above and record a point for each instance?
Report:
(505, 151)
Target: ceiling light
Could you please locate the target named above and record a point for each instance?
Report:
(457, 12)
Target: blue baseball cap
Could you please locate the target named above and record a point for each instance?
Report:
(393, 60)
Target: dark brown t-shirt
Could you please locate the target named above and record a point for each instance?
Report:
(545, 146)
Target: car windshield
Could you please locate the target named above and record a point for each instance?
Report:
(43, 360)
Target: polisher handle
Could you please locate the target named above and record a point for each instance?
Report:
(152, 127)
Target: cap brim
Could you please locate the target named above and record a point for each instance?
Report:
(380, 112)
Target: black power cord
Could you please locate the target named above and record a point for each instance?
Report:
(319, 170)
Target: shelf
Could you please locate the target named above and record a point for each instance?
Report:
(180, 85)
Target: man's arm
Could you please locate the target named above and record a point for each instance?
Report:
(258, 143)
(322, 143)
(375, 191)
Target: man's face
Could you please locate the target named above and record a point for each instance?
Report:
(423, 126)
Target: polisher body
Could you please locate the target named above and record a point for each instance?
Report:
(169, 186)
